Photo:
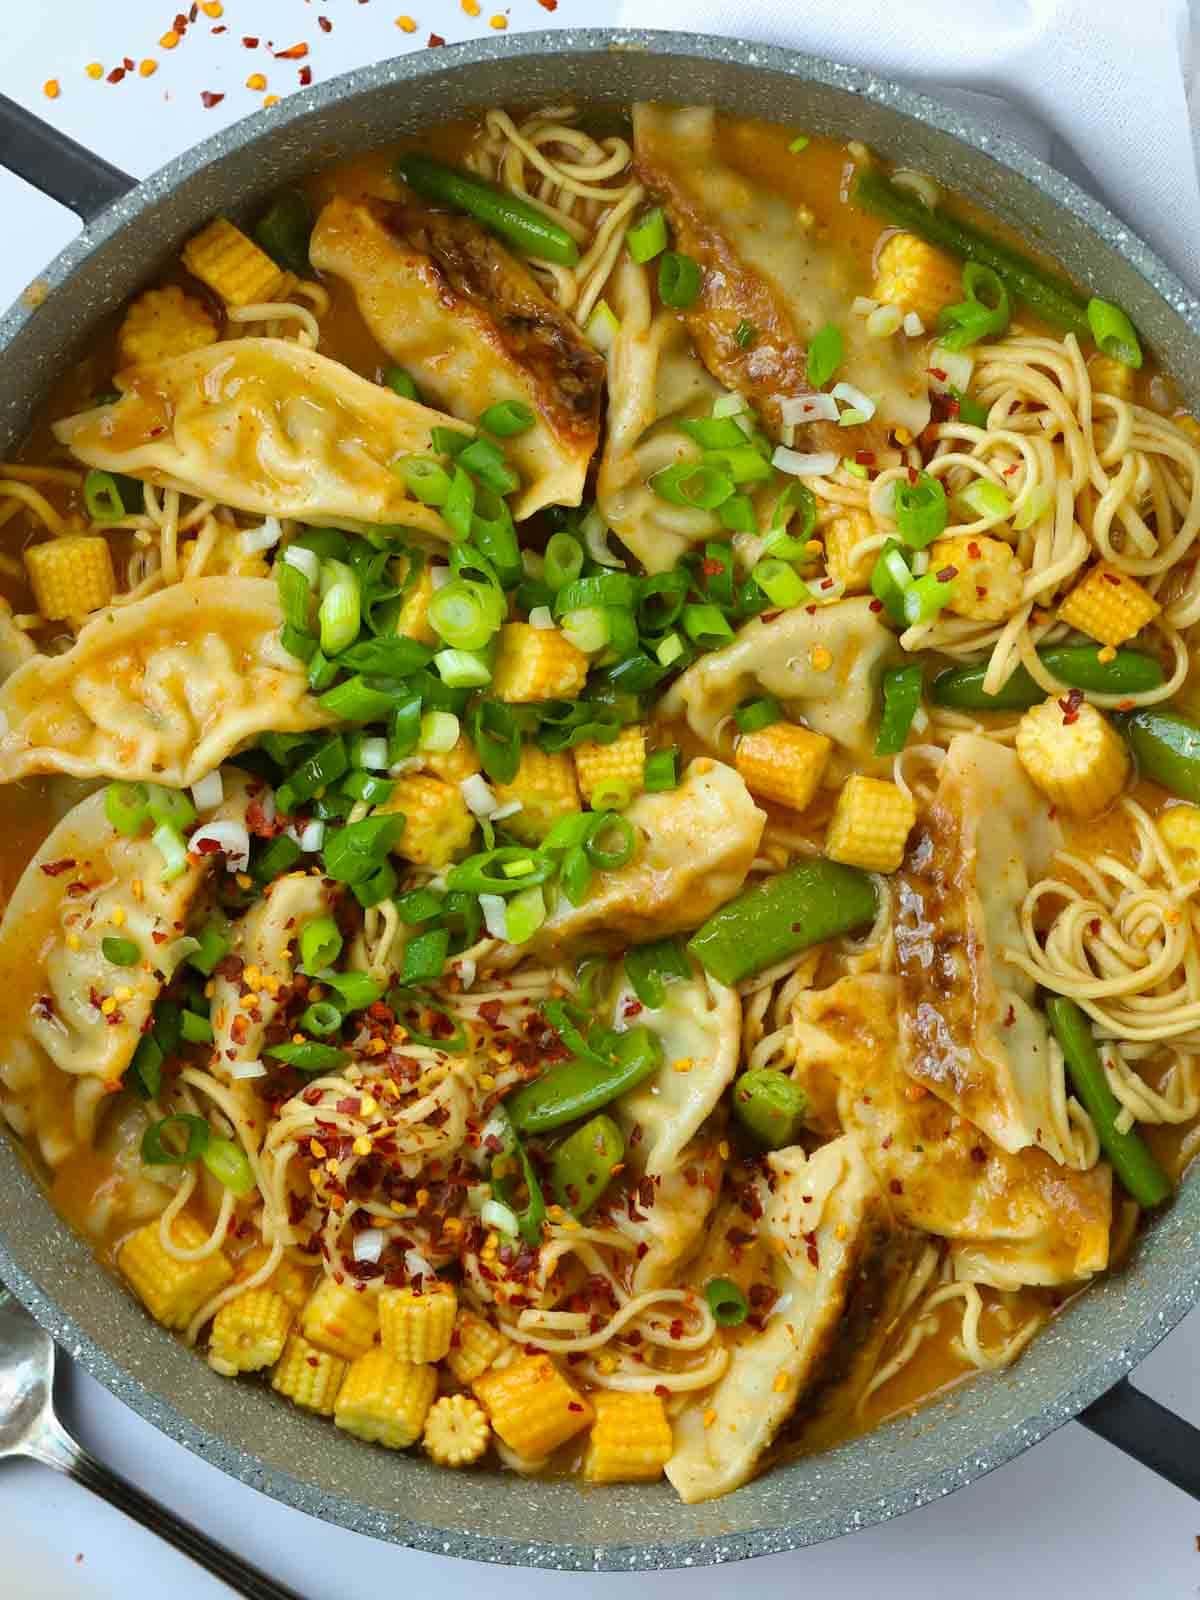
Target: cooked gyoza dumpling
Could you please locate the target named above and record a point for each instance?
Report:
(466, 319)
(163, 689)
(267, 427)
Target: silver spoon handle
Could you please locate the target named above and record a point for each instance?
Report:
(54, 1447)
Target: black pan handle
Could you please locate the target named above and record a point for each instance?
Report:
(1149, 1433)
(56, 165)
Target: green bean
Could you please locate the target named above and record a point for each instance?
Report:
(1131, 1157)
(1077, 665)
(582, 1166)
(782, 916)
(284, 230)
(1051, 297)
(1167, 749)
(566, 1093)
(770, 1106)
(516, 221)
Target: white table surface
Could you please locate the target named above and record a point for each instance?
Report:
(1071, 1518)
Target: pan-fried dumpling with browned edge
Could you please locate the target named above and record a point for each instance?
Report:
(766, 267)
(444, 298)
(699, 1026)
(87, 882)
(969, 1029)
(268, 428)
(822, 662)
(694, 847)
(665, 1214)
(164, 689)
(655, 379)
(1015, 1219)
(839, 1262)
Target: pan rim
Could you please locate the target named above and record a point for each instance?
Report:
(879, 1506)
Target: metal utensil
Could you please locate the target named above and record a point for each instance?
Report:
(29, 1426)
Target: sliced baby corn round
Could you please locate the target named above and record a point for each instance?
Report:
(1073, 755)
(456, 1431)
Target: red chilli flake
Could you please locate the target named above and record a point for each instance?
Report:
(305, 77)
(53, 868)
(294, 52)
(876, 606)
(115, 75)
(946, 574)
(1070, 706)
(548, 5)
(208, 99)
(865, 458)
(435, 41)
(938, 373)
(250, 41)
(324, 24)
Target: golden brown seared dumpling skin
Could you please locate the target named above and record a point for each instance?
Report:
(268, 428)
(445, 298)
(161, 690)
(839, 1257)
(763, 266)
(1014, 1219)
(695, 847)
(969, 1029)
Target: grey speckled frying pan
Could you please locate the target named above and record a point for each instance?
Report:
(1071, 1370)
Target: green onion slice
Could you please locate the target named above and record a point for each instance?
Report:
(679, 280)
(1113, 332)
(175, 1141)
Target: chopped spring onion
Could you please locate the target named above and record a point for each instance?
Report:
(169, 805)
(208, 792)
(224, 836)
(901, 700)
(320, 944)
(495, 1214)
(174, 1141)
(247, 1069)
(781, 583)
(102, 496)
(170, 844)
(668, 650)
(321, 1017)
(340, 614)
(824, 355)
(504, 871)
(982, 314)
(744, 334)
(524, 915)
(542, 618)
(369, 753)
(127, 807)
(309, 1056)
(800, 142)
(419, 905)
(912, 325)
(610, 841)
(795, 410)
(312, 836)
(280, 856)
(459, 506)
(486, 464)
(950, 369)
(891, 578)
(679, 280)
(648, 237)
(229, 1164)
(425, 956)
(355, 990)
(564, 560)
(213, 944)
(726, 1301)
(462, 669)
(195, 1029)
(756, 714)
(360, 785)
(508, 418)
(737, 514)
(805, 464)
(402, 383)
(884, 321)
(661, 771)
(713, 433)
(1112, 331)
(354, 700)
(121, 952)
(689, 484)
(730, 405)
(479, 795)
(1034, 508)
(587, 628)
(266, 537)
(495, 918)
(706, 625)
(426, 479)
(986, 499)
(603, 326)
(920, 510)
(856, 399)
(595, 536)
(439, 732)
(368, 1245)
(925, 597)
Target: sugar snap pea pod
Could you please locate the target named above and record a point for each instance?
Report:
(1077, 665)
(1167, 749)
(1053, 297)
(516, 221)
(1131, 1158)
(573, 1090)
(582, 1166)
(778, 918)
(284, 230)
(770, 1106)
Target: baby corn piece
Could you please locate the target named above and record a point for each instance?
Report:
(1111, 377)
(631, 1439)
(455, 764)
(289, 1279)
(385, 1401)
(70, 576)
(413, 620)
(249, 1333)
(545, 785)
(232, 265)
(340, 1319)
(1073, 755)
(784, 763)
(474, 1346)
(1179, 827)
(840, 538)
(438, 823)
(163, 323)
(172, 1291)
(1108, 605)
(536, 664)
(308, 1377)
(531, 1405)
(913, 275)
(456, 1431)
(988, 579)
(870, 824)
(417, 1327)
(611, 774)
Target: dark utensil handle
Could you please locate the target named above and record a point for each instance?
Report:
(1149, 1433)
(56, 165)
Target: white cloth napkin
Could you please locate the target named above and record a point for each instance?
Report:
(1103, 89)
